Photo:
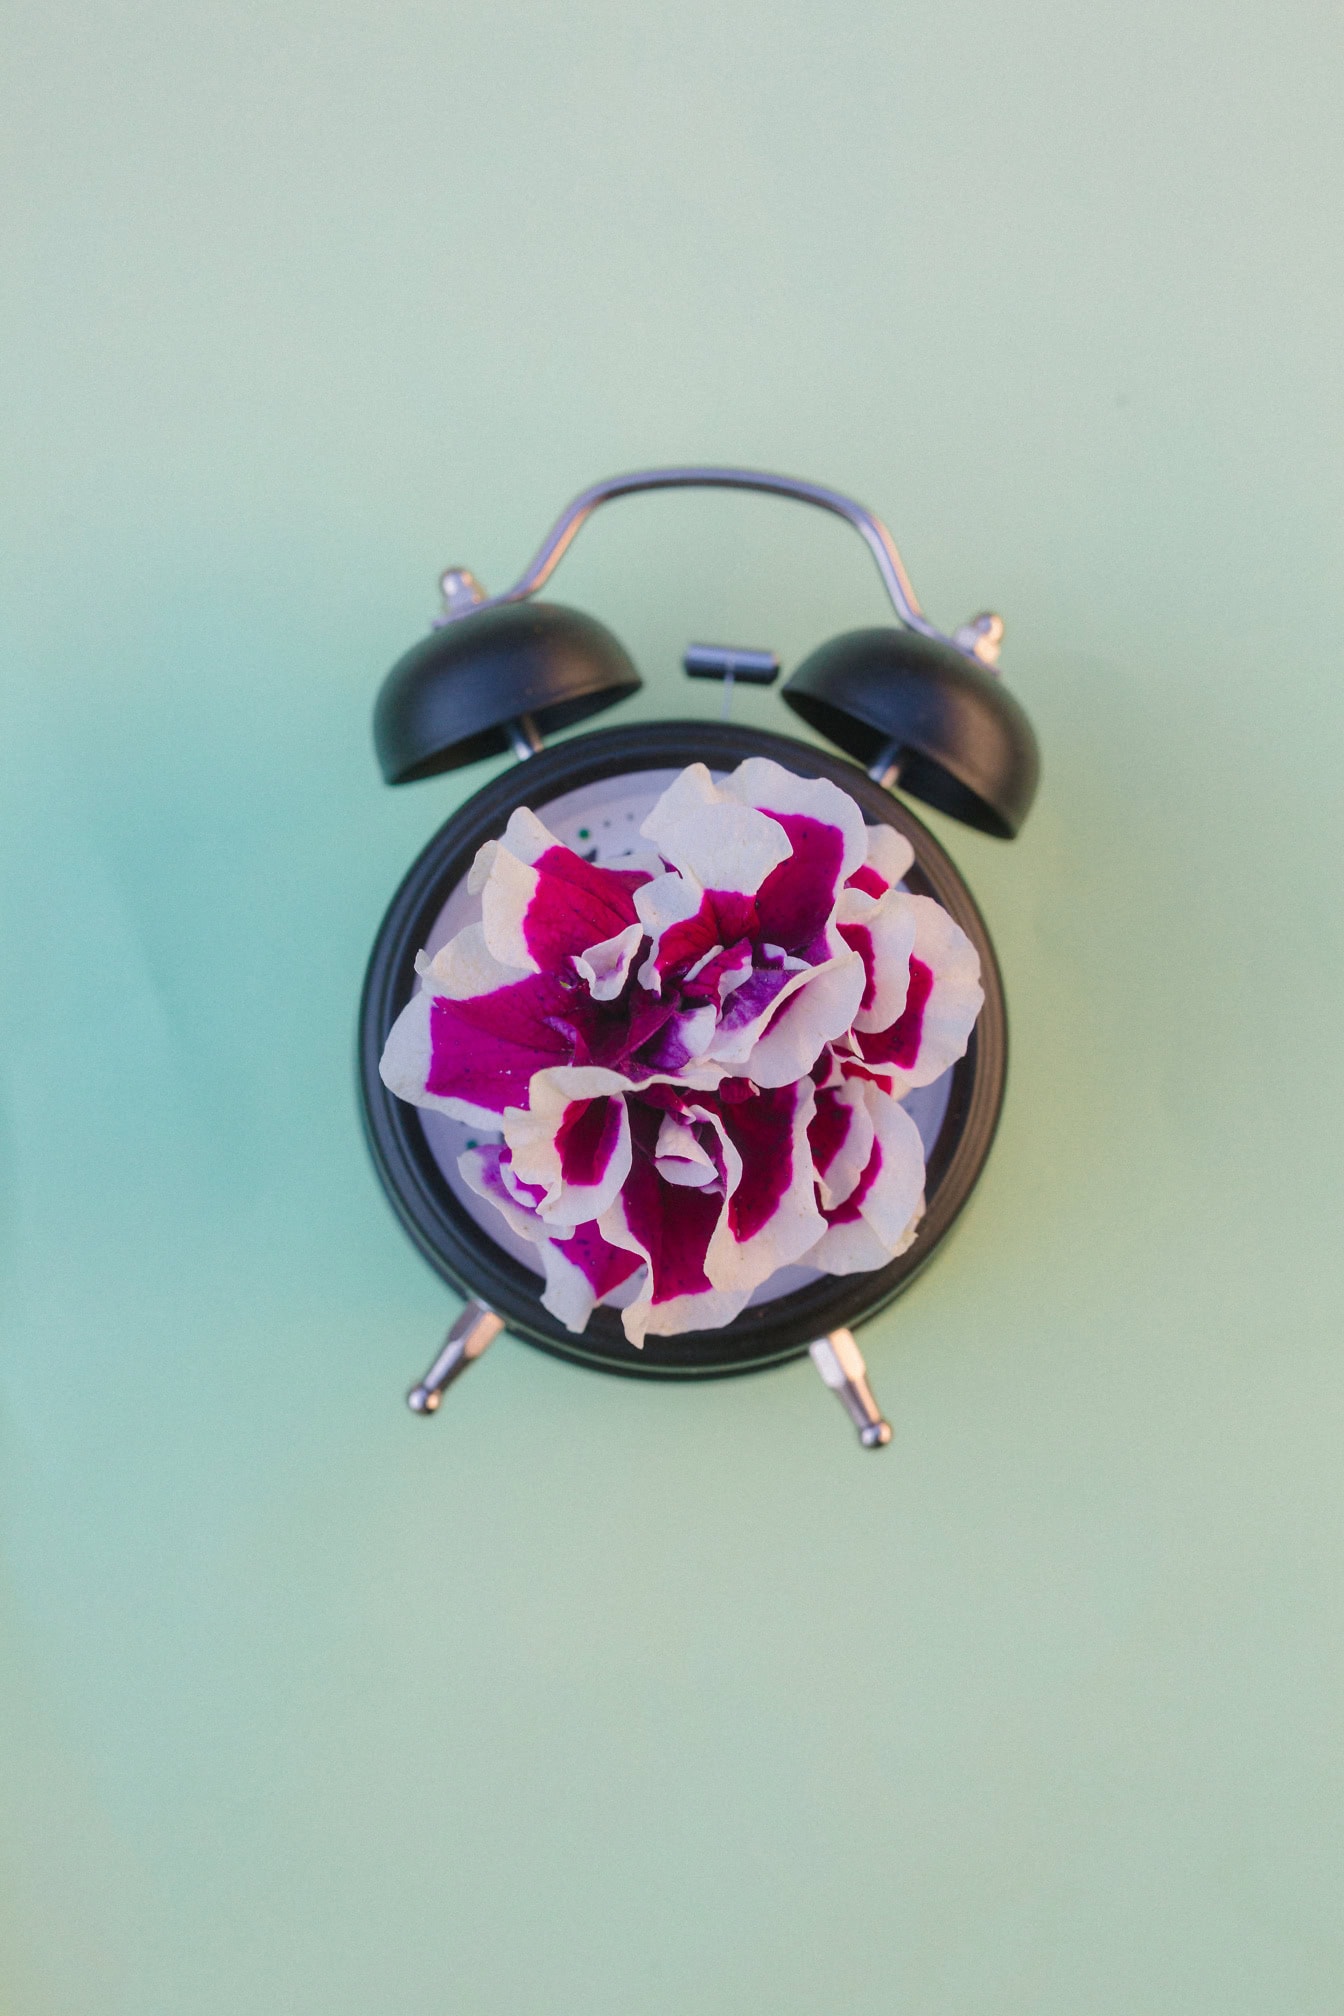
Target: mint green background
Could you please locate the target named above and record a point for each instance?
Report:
(596, 1697)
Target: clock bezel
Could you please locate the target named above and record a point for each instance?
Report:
(768, 1333)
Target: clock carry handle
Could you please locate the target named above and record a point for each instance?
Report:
(977, 640)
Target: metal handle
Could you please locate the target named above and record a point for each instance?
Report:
(973, 641)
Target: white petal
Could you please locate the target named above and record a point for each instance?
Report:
(898, 1194)
(842, 1172)
(734, 970)
(526, 837)
(890, 1207)
(706, 1308)
(465, 967)
(405, 1063)
(506, 883)
(944, 951)
(761, 783)
(890, 854)
(852, 1248)
(531, 1136)
(724, 844)
(460, 970)
(883, 928)
(680, 1046)
(667, 900)
(572, 1289)
(509, 889)
(481, 866)
(479, 1171)
(569, 1293)
(605, 966)
(709, 1310)
(819, 1006)
(680, 1158)
(735, 1039)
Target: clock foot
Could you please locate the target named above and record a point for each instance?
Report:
(476, 1327)
(840, 1363)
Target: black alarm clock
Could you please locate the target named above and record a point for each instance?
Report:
(913, 710)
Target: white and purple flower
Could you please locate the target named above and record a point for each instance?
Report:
(695, 1064)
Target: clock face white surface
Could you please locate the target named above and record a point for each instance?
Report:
(601, 821)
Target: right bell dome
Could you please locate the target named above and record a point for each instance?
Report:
(957, 738)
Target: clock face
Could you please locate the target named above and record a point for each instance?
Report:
(593, 793)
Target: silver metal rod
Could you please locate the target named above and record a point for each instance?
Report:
(709, 477)
(476, 1327)
(840, 1363)
(524, 737)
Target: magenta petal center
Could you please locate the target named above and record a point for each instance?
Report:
(575, 905)
(586, 1139)
(603, 1265)
(486, 1049)
(829, 1129)
(796, 899)
(852, 1207)
(860, 939)
(900, 1044)
(761, 1130)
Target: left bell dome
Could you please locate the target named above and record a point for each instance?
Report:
(454, 696)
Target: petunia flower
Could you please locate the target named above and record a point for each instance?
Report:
(695, 1062)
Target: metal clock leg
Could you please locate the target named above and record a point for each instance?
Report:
(476, 1327)
(840, 1363)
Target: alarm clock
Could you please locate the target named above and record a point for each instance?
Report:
(912, 713)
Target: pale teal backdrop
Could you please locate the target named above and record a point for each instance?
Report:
(590, 1696)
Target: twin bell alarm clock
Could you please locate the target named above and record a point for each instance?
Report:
(682, 1045)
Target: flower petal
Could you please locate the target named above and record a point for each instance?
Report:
(471, 1057)
(817, 1007)
(542, 904)
(881, 1214)
(882, 931)
(736, 1111)
(840, 1138)
(748, 1010)
(772, 1217)
(572, 1140)
(680, 922)
(482, 1170)
(714, 837)
(682, 1042)
(580, 1270)
(828, 840)
(890, 858)
(465, 966)
(605, 967)
(682, 1158)
(669, 1225)
(941, 1005)
(484, 1052)
(720, 973)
